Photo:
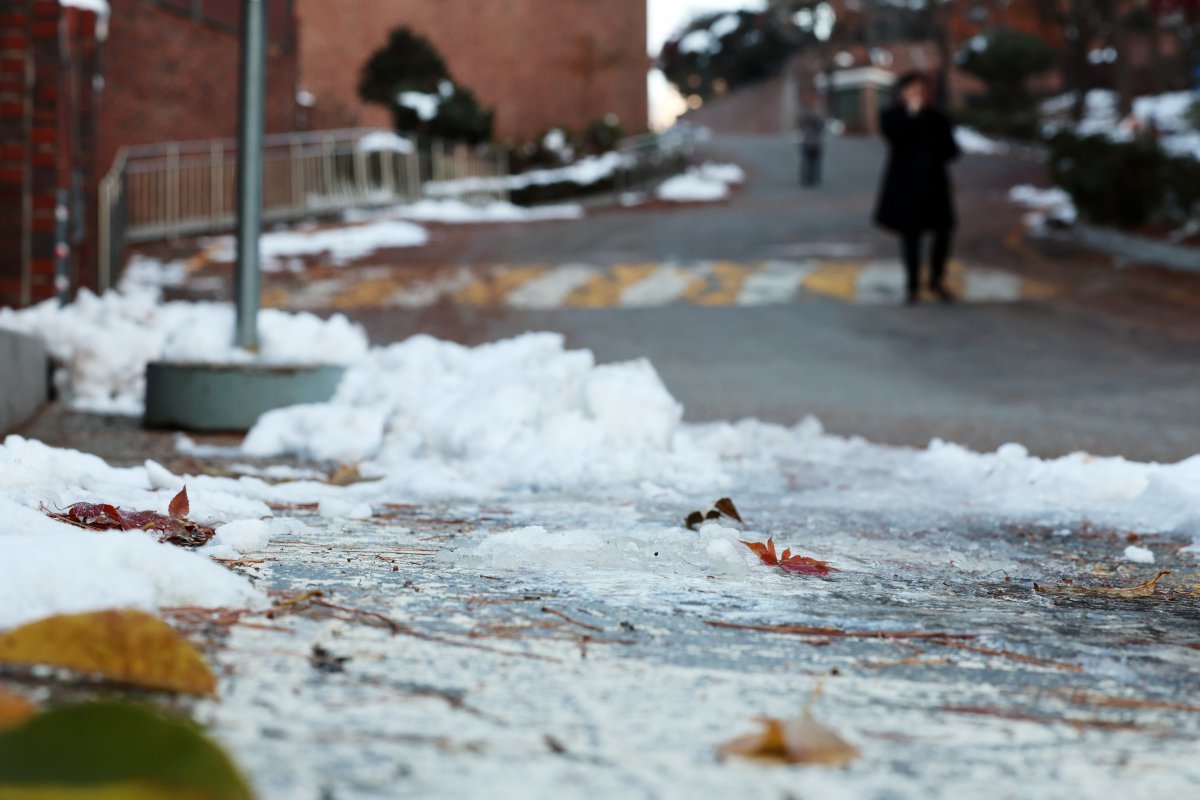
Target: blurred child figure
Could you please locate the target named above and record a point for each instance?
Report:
(812, 126)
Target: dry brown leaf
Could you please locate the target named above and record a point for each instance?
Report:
(348, 475)
(126, 646)
(1146, 589)
(802, 740)
(14, 709)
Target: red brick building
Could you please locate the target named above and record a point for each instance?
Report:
(539, 63)
(47, 146)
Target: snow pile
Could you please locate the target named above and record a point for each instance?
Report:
(972, 141)
(704, 184)
(103, 343)
(1046, 206)
(344, 244)
(584, 172)
(1139, 555)
(452, 211)
(384, 141)
(48, 567)
(520, 413)
(1165, 115)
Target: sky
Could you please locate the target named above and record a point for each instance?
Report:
(667, 16)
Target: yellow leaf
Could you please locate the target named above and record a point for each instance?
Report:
(127, 646)
(14, 709)
(802, 740)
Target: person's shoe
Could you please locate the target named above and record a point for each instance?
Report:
(943, 294)
(912, 297)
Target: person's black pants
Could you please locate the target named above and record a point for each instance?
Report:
(912, 241)
(810, 165)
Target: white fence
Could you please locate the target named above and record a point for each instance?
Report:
(187, 188)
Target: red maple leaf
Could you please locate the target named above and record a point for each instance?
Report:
(801, 565)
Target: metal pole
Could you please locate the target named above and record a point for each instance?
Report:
(250, 177)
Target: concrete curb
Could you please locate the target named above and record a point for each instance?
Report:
(26, 368)
(1138, 248)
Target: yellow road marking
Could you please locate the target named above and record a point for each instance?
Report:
(836, 279)
(275, 297)
(721, 285)
(371, 293)
(605, 288)
(493, 289)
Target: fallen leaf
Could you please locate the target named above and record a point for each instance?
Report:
(179, 507)
(802, 740)
(114, 751)
(801, 565)
(126, 646)
(14, 709)
(722, 508)
(1146, 589)
(174, 528)
(348, 475)
(726, 507)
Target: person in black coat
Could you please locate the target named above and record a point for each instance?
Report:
(916, 197)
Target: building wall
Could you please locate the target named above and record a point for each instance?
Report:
(539, 63)
(171, 74)
(47, 65)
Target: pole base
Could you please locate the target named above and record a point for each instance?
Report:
(230, 397)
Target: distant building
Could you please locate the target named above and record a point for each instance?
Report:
(77, 86)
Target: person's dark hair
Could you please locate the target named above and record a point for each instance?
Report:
(909, 78)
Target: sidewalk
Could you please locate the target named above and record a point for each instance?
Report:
(582, 662)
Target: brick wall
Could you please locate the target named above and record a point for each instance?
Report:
(171, 75)
(47, 65)
(16, 120)
(539, 63)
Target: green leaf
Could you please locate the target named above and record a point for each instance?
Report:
(111, 751)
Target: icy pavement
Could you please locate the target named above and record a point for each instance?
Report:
(513, 681)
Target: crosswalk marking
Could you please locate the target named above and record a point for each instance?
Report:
(606, 287)
(645, 285)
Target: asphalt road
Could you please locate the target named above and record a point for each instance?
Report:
(1110, 366)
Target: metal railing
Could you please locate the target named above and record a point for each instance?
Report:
(160, 192)
(175, 189)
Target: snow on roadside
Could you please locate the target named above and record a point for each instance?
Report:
(452, 211)
(584, 172)
(103, 343)
(1045, 206)
(524, 413)
(972, 141)
(343, 244)
(704, 184)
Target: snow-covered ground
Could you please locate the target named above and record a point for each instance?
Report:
(516, 491)
(280, 249)
(434, 420)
